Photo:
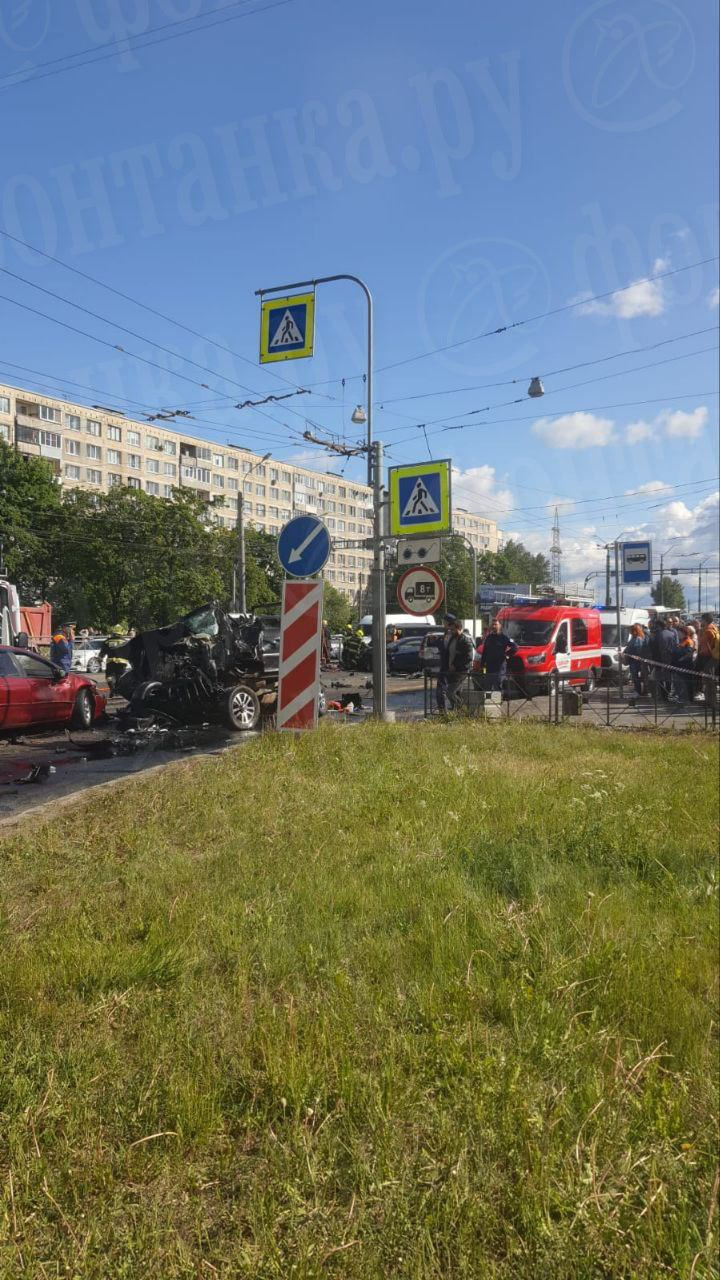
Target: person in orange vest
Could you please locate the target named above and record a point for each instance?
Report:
(61, 648)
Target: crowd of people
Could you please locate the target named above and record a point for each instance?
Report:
(681, 656)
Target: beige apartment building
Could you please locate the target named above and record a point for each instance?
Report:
(96, 448)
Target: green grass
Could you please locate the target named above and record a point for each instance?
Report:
(420, 1001)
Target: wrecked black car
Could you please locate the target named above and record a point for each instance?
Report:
(207, 666)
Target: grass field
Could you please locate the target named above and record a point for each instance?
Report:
(419, 1001)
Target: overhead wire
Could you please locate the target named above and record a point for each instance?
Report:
(160, 315)
(19, 78)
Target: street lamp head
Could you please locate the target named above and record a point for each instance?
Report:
(536, 388)
(359, 416)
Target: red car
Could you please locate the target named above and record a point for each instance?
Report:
(34, 691)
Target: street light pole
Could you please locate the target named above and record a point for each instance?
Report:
(473, 552)
(374, 478)
(239, 584)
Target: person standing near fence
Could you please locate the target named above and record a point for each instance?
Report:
(709, 658)
(497, 648)
(456, 653)
(636, 647)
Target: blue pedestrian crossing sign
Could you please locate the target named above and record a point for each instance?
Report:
(287, 327)
(420, 498)
(303, 546)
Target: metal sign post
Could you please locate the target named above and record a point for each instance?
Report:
(284, 335)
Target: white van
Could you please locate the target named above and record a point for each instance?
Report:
(408, 623)
(608, 624)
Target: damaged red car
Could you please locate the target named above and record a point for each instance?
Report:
(34, 691)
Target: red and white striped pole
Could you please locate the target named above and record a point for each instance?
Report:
(300, 641)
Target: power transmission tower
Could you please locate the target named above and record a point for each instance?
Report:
(555, 552)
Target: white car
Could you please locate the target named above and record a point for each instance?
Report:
(86, 654)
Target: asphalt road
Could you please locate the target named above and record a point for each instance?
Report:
(70, 762)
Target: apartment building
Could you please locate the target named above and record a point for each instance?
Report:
(96, 448)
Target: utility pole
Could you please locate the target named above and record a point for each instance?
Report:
(607, 578)
(239, 575)
(378, 586)
(617, 616)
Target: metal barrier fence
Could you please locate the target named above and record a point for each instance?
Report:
(607, 706)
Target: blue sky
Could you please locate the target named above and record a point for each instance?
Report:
(477, 166)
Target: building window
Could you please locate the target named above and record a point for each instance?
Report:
(232, 483)
(169, 468)
(188, 473)
(72, 473)
(260, 490)
(247, 487)
(274, 495)
(152, 465)
(219, 482)
(205, 454)
(114, 456)
(94, 451)
(113, 433)
(153, 487)
(133, 482)
(248, 506)
(152, 442)
(233, 463)
(203, 475)
(218, 460)
(4, 432)
(167, 491)
(274, 513)
(95, 477)
(27, 435)
(169, 446)
(72, 447)
(4, 404)
(47, 414)
(133, 437)
(72, 420)
(134, 461)
(259, 509)
(114, 480)
(92, 427)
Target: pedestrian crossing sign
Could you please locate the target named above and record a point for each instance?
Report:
(420, 498)
(286, 327)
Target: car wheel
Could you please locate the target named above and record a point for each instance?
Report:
(242, 708)
(591, 682)
(93, 666)
(84, 710)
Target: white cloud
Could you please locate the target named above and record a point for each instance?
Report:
(575, 431)
(650, 486)
(637, 431)
(672, 423)
(713, 298)
(477, 490)
(677, 422)
(644, 297)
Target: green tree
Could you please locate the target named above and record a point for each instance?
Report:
(125, 555)
(513, 564)
(337, 609)
(669, 592)
(30, 502)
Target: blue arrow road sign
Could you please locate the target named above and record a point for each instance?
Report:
(303, 546)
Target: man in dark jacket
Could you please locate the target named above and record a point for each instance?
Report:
(497, 648)
(456, 651)
(666, 649)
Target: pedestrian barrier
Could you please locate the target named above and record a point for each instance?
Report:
(608, 707)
